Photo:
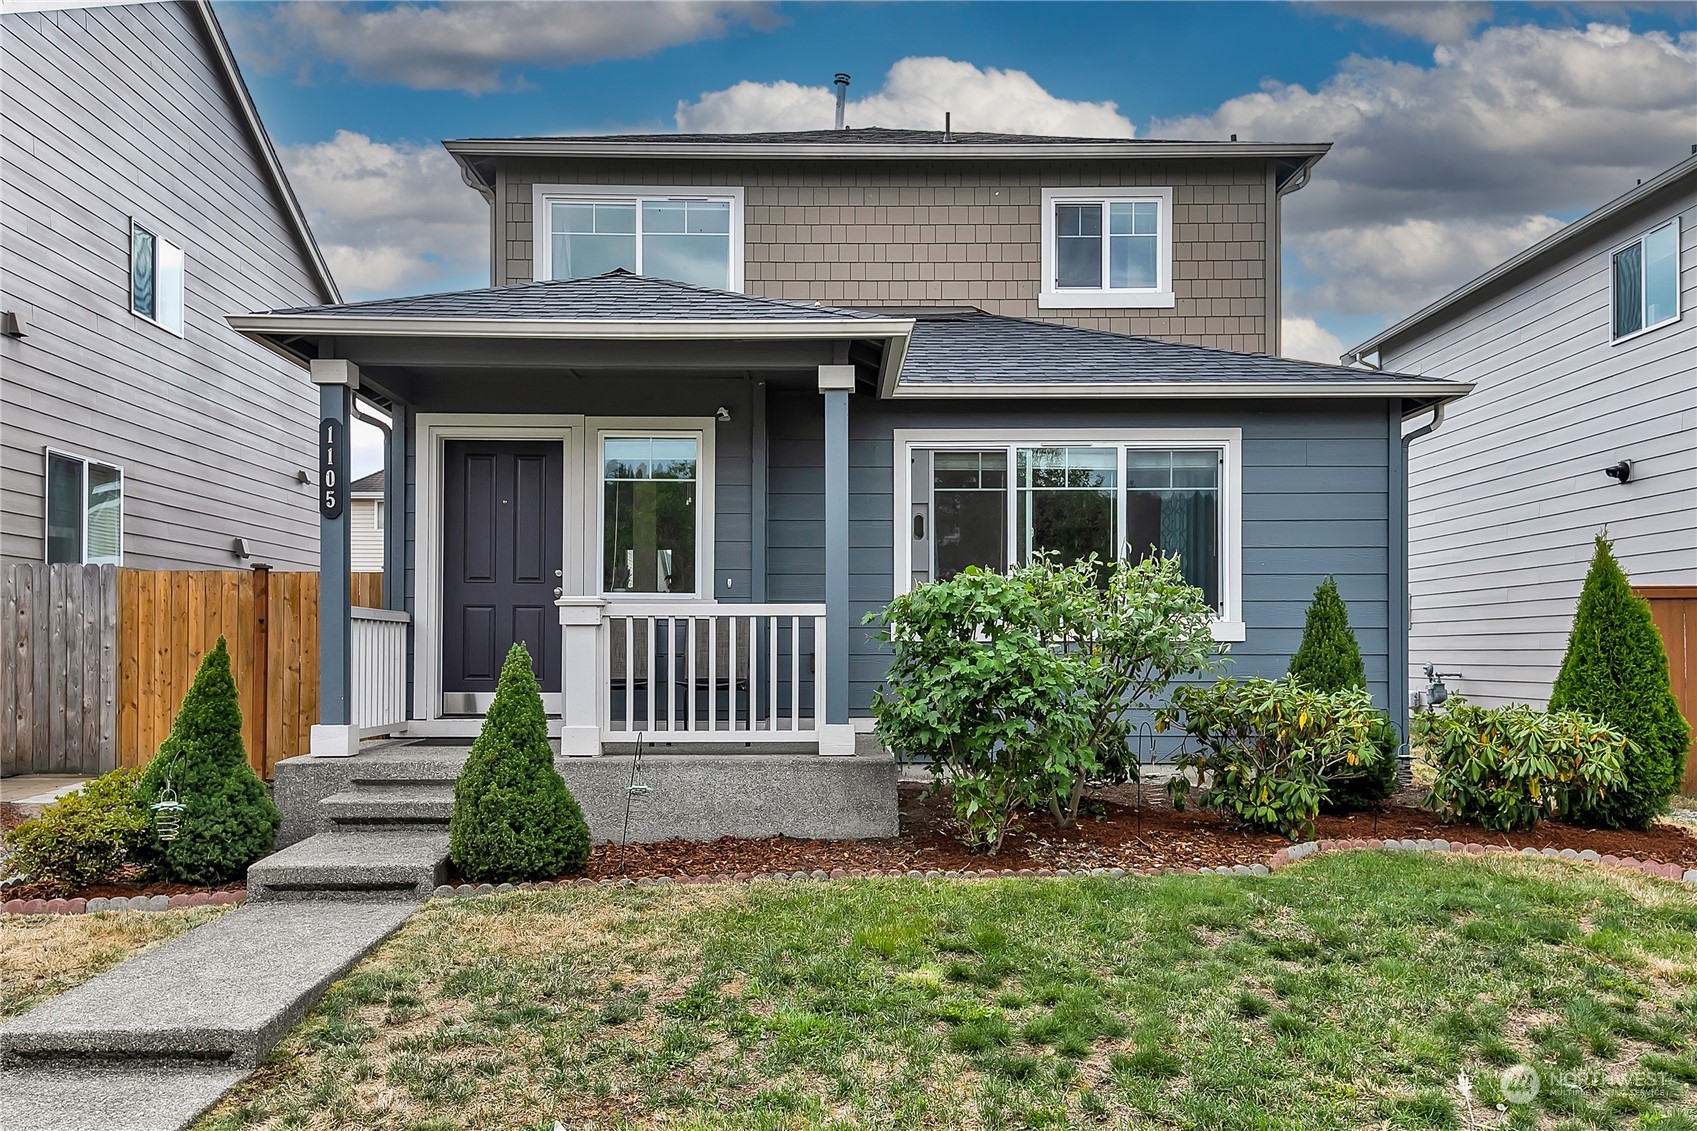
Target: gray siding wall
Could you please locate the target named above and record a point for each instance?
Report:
(1506, 497)
(117, 112)
(1316, 501)
(952, 233)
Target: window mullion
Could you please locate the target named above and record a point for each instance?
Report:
(82, 495)
(1121, 503)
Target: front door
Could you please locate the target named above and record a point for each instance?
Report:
(501, 525)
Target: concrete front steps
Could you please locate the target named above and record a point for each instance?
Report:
(384, 837)
(156, 1041)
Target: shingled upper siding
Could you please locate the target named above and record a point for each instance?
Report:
(919, 234)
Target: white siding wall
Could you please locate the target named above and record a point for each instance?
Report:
(1505, 498)
(117, 112)
(366, 535)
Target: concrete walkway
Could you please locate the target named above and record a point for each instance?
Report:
(154, 1042)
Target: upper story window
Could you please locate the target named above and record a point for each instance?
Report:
(1107, 247)
(156, 278)
(85, 511)
(1646, 281)
(690, 235)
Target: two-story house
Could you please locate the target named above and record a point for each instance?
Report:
(1584, 351)
(729, 393)
(143, 203)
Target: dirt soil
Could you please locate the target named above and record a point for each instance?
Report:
(117, 886)
(1137, 829)
(11, 816)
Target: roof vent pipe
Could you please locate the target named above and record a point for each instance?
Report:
(842, 82)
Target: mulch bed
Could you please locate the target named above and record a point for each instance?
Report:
(11, 816)
(1137, 830)
(118, 887)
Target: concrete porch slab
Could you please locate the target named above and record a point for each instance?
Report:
(135, 1097)
(221, 994)
(359, 863)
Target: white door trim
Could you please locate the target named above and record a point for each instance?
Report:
(432, 431)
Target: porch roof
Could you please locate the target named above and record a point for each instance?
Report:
(965, 351)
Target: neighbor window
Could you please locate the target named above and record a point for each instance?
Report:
(989, 505)
(1646, 281)
(687, 238)
(1107, 248)
(649, 515)
(156, 278)
(85, 511)
(377, 515)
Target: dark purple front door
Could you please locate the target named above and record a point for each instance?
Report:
(501, 524)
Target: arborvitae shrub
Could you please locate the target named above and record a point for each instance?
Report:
(514, 819)
(1616, 671)
(1329, 659)
(228, 821)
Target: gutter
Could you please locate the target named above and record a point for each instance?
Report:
(813, 329)
(1132, 390)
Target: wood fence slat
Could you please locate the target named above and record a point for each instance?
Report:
(108, 741)
(67, 600)
(91, 697)
(17, 663)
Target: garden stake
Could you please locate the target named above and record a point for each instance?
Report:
(636, 786)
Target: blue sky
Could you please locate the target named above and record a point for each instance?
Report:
(1463, 131)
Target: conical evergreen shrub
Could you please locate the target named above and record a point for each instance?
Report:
(228, 821)
(1329, 659)
(1616, 670)
(514, 819)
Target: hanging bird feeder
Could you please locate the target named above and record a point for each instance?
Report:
(167, 814)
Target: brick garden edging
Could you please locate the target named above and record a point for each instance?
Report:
(1277, 860)
(123, 903)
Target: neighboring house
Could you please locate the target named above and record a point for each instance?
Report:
(882, 356)
(365, 523)
(1583, 349)
(143, 202)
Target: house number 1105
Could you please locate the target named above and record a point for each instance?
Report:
(332, 467)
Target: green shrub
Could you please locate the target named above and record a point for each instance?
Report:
(514, 819)
(83, 837)
(228, 821)
(1616, 670)
(1265, 749)
(1019, 687)
(1329, 659)
(1509, 767)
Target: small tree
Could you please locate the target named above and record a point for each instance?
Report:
(1328, 660)
(228, 822)
(514, 819)
(1616, 670)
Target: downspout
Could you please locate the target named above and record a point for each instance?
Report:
(1402, 610)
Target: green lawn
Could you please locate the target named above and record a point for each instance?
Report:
(1345, 992)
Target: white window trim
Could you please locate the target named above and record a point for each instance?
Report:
(163, 249)
(1050, 297)
(377, 515)
(699, 429)
(541, 234)
(46, 516)
(1644, 283)
(1228, 627)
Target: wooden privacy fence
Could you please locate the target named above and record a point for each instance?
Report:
(1674, 609)
(103, 657)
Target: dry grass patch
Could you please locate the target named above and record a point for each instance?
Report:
(43, 955)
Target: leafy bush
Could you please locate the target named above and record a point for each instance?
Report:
(514, 819)
(1019, 687)
(1616, 670)
(1329, 659)
(83, 837)
(228, 821)
(1267, 748)
(1509, 767)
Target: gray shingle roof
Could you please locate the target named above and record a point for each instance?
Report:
(367, 484)
(617, 296)
(970, 347)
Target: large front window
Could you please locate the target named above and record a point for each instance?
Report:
(992, 504)
(649, 514)
(688, 239)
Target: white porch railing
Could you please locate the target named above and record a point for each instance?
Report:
(378, 670)
(712, 673)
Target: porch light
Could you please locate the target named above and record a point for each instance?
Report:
(1620, 472)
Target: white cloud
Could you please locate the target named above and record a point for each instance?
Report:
(391, 217)
(477, 47)
(1439, 172)
(1306, 339)
(1433, 21)
(916, 93)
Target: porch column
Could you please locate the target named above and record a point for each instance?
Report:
(836, 735)
(583, 680)
(334, 735)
